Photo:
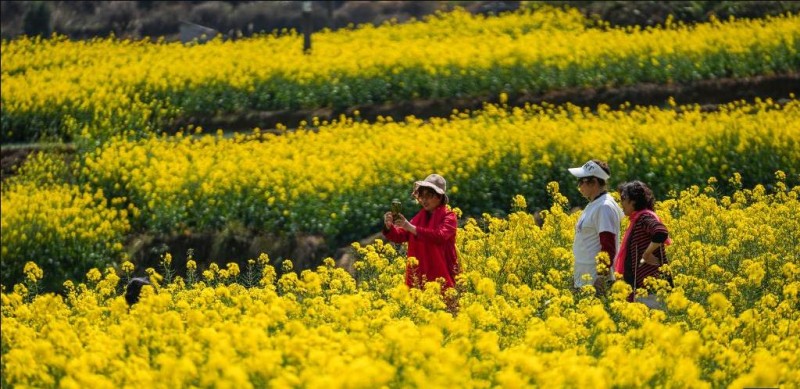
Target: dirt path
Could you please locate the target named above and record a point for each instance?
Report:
(706, 93)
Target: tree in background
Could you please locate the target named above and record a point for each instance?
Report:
(38, 20)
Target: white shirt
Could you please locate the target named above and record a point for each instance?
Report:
(602, 214)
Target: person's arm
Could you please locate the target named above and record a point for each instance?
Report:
(405, 226)
(441, 233)
(608, 244)
(608, 224)
(392, 232)
(658, 233)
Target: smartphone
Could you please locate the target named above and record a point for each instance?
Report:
(397, 207)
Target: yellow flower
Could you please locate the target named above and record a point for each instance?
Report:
(677, 301)
(486, 287)
(33, 272)
(127, 267)
(719, 303)
(519, 203)
(233, 269)
(94, 275)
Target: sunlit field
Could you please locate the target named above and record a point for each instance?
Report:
(337, 181)
(90, 90)
(727, 179)
(732, 320)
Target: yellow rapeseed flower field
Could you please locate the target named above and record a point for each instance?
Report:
(339, 179)
(66, 227)
(728, 181)
(92, 89)
(732, 319)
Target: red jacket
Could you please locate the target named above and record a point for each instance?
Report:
(434, 247)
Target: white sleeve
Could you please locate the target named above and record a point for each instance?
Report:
(607, 219)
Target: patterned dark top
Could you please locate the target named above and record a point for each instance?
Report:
(646, 230)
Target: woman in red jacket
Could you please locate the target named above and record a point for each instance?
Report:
(431, 235)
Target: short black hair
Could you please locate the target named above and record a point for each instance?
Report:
(603, 165)
(639, 193)
(421, 189)
(134, 289)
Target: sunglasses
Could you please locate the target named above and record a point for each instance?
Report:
(423, 194)
(585, 180)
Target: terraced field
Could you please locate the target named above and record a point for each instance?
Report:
(248, 232)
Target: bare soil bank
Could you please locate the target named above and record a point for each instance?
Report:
(707, 93)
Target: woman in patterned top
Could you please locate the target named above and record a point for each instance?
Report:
(641, 253)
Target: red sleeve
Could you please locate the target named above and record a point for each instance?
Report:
(441, 233)
(608, 243)
(396, 235)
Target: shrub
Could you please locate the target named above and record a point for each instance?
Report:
(121, 17)
(213, 14)
(163, 23)
(37, 20)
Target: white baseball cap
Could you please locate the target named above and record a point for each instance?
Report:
(589, 169)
